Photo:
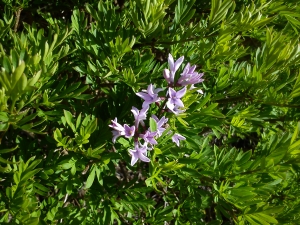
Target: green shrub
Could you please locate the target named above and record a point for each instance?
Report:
(69, 68)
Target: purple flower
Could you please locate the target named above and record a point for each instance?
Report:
(149, 137)
(176, 110)
(175, 98)
(170, 74)
(199, 90)
(139, 152)
(150, 96)
(129, 131)
(139, 116)
(116, 134)
(160, 123)
(176, 138)
(118, 131)
(188, 76)
(116, 126)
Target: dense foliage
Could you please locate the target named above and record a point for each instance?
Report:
(69, 68)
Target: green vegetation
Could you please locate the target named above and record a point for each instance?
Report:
(68, 68)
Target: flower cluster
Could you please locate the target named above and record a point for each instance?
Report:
(145, 138)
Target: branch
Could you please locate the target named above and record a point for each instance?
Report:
(18, 14)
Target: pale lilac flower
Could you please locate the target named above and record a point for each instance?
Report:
(188, 76)
(139, 115)
(118, 130)
(170, 74)
(160, 123)
(116, 134)
(177, 110)
(199, 90)
(116, 126)
(175, 98)
(129, 131)
(176, 138)
(139, 152)
(150, 95)
(149, 137)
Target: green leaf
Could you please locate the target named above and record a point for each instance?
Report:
(32, 221)
(250, 220)
(90, 178)
(69, 119)
(78, 121)
(4, 126)
(244, 158)
(98, 173)
(91, 127)
(157, 151)
(242, 191)
(73, 170)
(34, 79)
(17, 74)
(203, 102)
(86, 120)
(3, 117)
(8, 150)
(266, 217)
(296, 132)
(5, 161)
(153, 124)
(15, 58)
(65, 165)
(22, 83)
(29, 174)
(6, 64)
(124, 142)
(27, 119)
(219, 10)
(57, 135)
(84, 97)
(41, 187)
(34, 163)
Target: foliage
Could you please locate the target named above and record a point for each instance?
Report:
(68, 68)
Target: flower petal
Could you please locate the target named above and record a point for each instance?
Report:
(144, 96)
(171, 62)
(129, 131)
(172, 93)
(150, 90)
(200, 91)
(144, 111)
(134, 159)
(181, 93)
(116, 134)
(170, 105)
(178, 63)
(135, 111)
(155, 118)
(180, 137)
(157, 90)
(174, 139)
(143, 157)
(167, 76)
(178, 102)
(162, 121)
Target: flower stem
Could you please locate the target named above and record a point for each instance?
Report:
(13, 105)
